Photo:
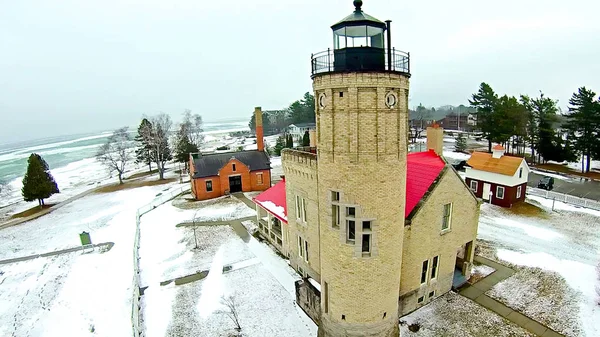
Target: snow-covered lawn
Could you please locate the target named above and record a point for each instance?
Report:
(454, 315)
(251, 195)
(72, 294)
(276, 168)
(261, 283)
(167, 252)
(218, 209)
(563, 244)
(541, 295)
(480, 271)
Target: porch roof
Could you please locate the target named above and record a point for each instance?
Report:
(273, 201)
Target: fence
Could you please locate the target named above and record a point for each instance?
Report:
(135, 305)
(566, 198)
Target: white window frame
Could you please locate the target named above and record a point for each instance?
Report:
(300, 246)
(435, 266)
(303, 209)
(259, 178)
(426, 272)
(298, 214)
(447, 219)
(498, 189)
(420, 299)
(519, 192)
(431, 294)
(474, 189)
(348, 230)
(305, 251)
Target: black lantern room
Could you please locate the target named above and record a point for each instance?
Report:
(358, 45)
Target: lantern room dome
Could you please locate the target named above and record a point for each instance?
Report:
(357, 18)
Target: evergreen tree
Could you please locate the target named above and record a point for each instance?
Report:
(306, 139)
(461, 143)
(279, 145)
(289, 142)
(485, 101)
(38, 183)
(184, 147)
(143, 153)
(583, 121)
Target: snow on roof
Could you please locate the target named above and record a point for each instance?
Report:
(422, 170)
(273, 201)
(506, 165)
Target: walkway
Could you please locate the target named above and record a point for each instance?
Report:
(57, 252)
(476, 292)
(241, 197)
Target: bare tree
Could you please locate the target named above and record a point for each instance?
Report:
(115, 154)
(193, 126)
(232, 311)
(159, 140)
(419, 122)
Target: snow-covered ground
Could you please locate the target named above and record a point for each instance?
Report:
(454, 315)
(566, 242)
(72, 294)
(177, 255)
(260, 282)
(449, 154)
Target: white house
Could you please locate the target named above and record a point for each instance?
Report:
(298, 130)
(496, 177)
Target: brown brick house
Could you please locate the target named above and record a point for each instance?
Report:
(497, 178)
(214, 175)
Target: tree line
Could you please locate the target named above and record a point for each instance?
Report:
(275, 121)
(154, 143)
(537, 124)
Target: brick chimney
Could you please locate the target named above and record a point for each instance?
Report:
(435, 139)
(260, 142)
(312, 134)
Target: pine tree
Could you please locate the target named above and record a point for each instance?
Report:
(279, 145)
(485, 101)
(184, 147)
(306, 139)
(38, 183)
(289, 142)
(461, 143)
(143, 153)
(583, 121)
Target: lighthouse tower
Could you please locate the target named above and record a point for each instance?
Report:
(361, 93)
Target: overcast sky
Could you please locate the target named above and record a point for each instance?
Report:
(73, 66)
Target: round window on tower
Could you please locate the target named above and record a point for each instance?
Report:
(391, 99)
(322, 100)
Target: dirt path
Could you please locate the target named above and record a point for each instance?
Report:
(476, 292)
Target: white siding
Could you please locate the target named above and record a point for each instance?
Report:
(500, 179)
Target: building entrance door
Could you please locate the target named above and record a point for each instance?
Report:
(486, 191)
(235, 184)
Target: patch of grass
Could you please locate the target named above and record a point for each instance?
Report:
(565, 169)
(141, 174)
(527, 209)
(133, 184)
(31, 211)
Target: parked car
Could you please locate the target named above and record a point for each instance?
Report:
(546, 183)
(460, 165)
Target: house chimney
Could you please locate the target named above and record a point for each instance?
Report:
(435, 139)
(312, 134)
(497, 151)
(260, 145)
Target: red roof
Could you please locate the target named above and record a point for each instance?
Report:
(423, 169)
(498, 147)
(273, 200)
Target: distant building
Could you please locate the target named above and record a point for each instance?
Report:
(298, 130)
(214, 175)
(497, 178)
(454, 121)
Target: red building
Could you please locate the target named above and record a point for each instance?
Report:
(214, 175)
(497, 178)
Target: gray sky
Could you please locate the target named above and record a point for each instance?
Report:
(72, 66)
